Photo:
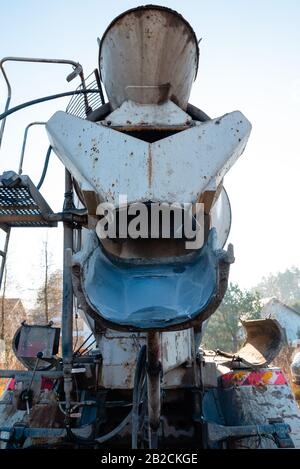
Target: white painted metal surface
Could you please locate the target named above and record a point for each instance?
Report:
(101, 159)
(134, 114)
(259, 404)
(177, 168)
(119, 351)
(221, 218)
(149, 54)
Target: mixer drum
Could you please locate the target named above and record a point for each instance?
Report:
(148, 54)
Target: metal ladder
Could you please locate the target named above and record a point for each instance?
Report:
(21, 204)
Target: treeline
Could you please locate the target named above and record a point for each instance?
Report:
(223, 330)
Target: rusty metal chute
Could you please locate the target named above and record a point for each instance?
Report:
(148, 55)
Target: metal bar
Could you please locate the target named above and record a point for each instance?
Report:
(68, 217)
(220, 432)
(22, 205)
(88, 338)
(98, 80)
(37, 432)
(24, 143)
(85, 97)
(40, 432)
(37, 197)
(79, 240)
(87, 348)
(153, 385)
(3, 260)
(67, 309)
(22, 218)
(77, 71)
(197, 371)
(49, 221)
(27, 374)
(74, 404)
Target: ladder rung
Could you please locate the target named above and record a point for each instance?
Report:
(21, 204)
(2, 253)
(18, 207)
(22, 218)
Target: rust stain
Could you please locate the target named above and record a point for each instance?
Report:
(150, 167)
(145, 127)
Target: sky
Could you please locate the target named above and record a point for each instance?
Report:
(249, 61)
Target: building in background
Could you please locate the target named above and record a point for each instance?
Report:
(288, 318)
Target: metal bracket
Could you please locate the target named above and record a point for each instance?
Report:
(18, 433)
(77, 216)
(277, 428)
(281, 433)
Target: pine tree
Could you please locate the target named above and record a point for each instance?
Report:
(223, 330)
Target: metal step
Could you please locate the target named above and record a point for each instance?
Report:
(21, 204)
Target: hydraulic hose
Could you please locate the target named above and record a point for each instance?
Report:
(42, 100)
(101, 439)
(45, 168)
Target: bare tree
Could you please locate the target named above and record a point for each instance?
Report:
(46, 281)
(41, 312)
(2, 331)
(12, 314)
(49, 297)
(283, 285)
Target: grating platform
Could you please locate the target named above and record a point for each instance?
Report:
(21, 204)
(82, 105)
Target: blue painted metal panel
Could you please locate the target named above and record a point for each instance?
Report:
(157, 295)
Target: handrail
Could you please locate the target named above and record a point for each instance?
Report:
(77, 70)
(12, 110)
(24, 143)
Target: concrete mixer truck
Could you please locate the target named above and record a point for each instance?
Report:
(145, 220)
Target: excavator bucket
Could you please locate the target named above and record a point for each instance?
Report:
(264, 340)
